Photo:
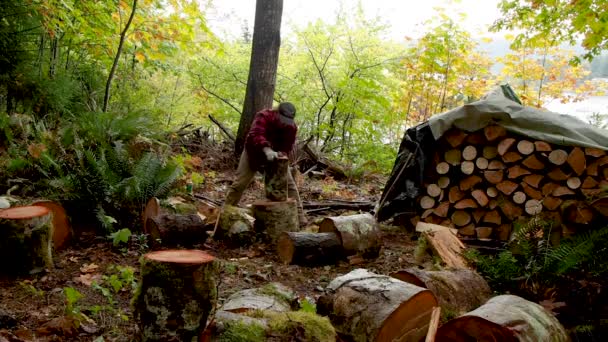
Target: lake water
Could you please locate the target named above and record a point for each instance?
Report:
(582, 109)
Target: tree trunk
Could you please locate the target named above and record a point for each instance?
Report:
(274, 218)
(275, 179)
(172, 230)
(309, 249)
(263, 65)
(364, 306)
(26, 239)
(177, 291)
(505, 318)
(359, 234)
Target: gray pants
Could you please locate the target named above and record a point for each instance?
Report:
(244, 176)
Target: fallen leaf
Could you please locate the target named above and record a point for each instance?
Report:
(61, 326)
(88, 268)
(88, 278)
(551, 305)
(73, 259)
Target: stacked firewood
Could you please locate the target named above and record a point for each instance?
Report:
(481, 182)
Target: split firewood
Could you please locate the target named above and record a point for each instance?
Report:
(517, 171)
(533, 207)
(494, 177)
(551, 203)
(490, 152)
(443, 182)
(274, 218)
(476, 139)
(461, 218)
(494, 132)
(358, 233)
(542, 146)
(533, 180)
(442, 168)
(427, 202)
(558, 157)
(442, 209)
(601, 206)
(466, 203)
(577, 212)
(493, 204)
(492, 192)
(469, 182)
(593, 168)
(507, 187)
(594, 152)
(531, 192)
(453, 157)
(434, 219)
(603, 161)
(468, 230)
(482, 163)
(448, 247)
(519, 197)
(494, 321)
(309, 249)
(525, 147)
(455, 194)
(533, 163)
(496, 165)
(589, 183)
(427, 213)
(558, 175)
(483, 233)
(510, 210)
(458, 290)
(455, 137)
(481, 197)
(433, 325)
(173, 229)
(576, 160)
(493, 217)
(505, 145)
(549, 188)
(363, 306)
(469, 153)
(433, 190)
(511, 157)
(467, 167)
(503, 232)
(591, 192)
(478, 214)
(574, 183)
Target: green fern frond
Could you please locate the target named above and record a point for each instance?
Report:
(580, 249)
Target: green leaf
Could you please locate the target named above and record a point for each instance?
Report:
(121, 236)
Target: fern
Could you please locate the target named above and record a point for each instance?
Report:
(588, 248)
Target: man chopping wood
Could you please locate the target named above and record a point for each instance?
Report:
(272, 135)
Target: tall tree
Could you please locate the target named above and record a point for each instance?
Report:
(263, 64)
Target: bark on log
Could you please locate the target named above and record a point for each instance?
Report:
(505, 145)
(235, 226)
(427, 202)
(62, 230)
(271, 297)
(442, 168)
(490, 152)
(275, 179)
(533, 180)
(469, 182)
(26, 239)
(447, 247)
(171, 230)
(511, 157)
(533, 163)
(453, 157)
(177, 292)
(542, 146)
(517, 171)
(359, 234)
(459, 290)
(558, 157)
(274, 218)
(494, 177)
(364, 306)
(455, 194)
(576, 160)
(506, 187)
(505, 318)
(469, 153)
(309, 249)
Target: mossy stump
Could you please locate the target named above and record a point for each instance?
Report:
(359, 234)
(274, 218)
(26, 239)
(177, 292)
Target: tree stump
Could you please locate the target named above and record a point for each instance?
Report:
(359, 234)
(309, 249)
(275, 179)
(26, 239)
(364, 306)
(274, 218)
(505, 318)
(62, 230)
(459, 290)
(171, 230)
(235, 226)
(177, 291)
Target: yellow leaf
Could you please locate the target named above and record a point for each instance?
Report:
(115, 16)
(140, 57)
(123, 5)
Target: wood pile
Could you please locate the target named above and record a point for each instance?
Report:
(481, 182)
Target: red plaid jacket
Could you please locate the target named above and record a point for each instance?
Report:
(269, 130)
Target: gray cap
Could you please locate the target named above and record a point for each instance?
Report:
(287, 109)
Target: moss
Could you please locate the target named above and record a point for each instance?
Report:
(241, 332)
(447, 314)
(421, 250)
(278, 292)
(314, 327)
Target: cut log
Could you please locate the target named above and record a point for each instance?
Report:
(558, 157)
(469, 153)
(519, 197)
(359, 234)
(461, 218)
(274, 218)
(574, 183)
(453, 157)
(235, 226)
(172, 230)
(467, 167)
(442, 209)
(442, 168)
(548, 188)
(455, 137)
(496, 165)
(482, 163)
(478, 214)
(177, 291)
(510, 210)
(483, 233)
(577, 212)
(26, 239)
(427, 202)
(517, 171)
(433, 325)
(447, 247)
(511, 157)
(494, 177)
(496, 321)
(533, 163)
(363, 306)
(443, 182)
(506, 187)
(271, 297)
(433, 190)
(458, 291)
(533, 180)
(455, 194)
(551, 203)
(492, 217)
(468, 230)
(469, 182)
(525, 147)
(531, 192)
(151, 210)
(275, 179)
(490, 152)
(558, 175)
(466, 203)
(309, 249)
(576, 160)
(503, 232)
(589, 183)
(594, 152)
(533, 207)
(494, 132)
(601, 206)
(492, 192)
(542, 146)
(62, 230)
(505, 145)
(480, 197)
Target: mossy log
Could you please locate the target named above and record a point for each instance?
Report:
(274, 218)
(270, 297)
(26, 239)
(309, 249)
(364, 306)
(235, 226)
(172, 230)
(359, 234)
(505, 318)
(275, 179)
(458, 290)
(62, 229)
(177, 291)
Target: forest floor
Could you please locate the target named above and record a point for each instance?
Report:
(39, 307)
